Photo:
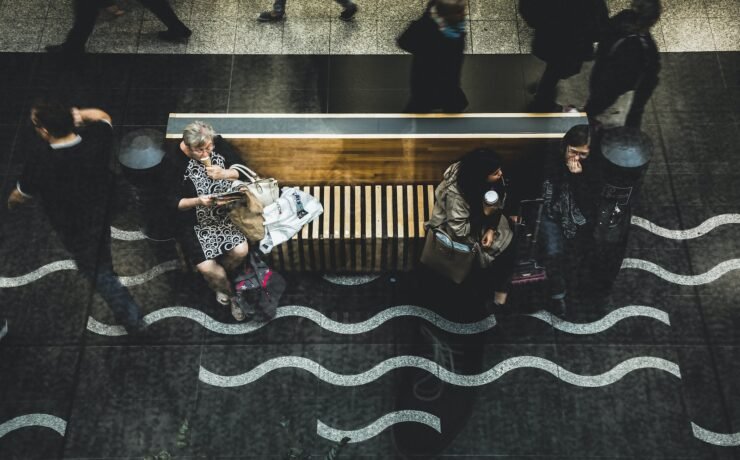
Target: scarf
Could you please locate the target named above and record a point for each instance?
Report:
(451, 31)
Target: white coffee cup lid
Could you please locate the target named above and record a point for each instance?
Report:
(491, 197)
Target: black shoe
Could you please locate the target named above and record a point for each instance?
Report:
(179, 36)
(348, 12)
(139, 329)
(270, 16)
(558, 307)
(63, 48)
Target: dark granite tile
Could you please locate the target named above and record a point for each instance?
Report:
(37, 373)
(704, 373)
(502, 74)
(7, 142)
(33, 442)
(16, 105)
(521, 403)
(206, 71)
(510, 98)
(697, 148)
(22, 64)
(367, 101)
(637, 416)
(262, 73)
(665, 216)
(700, 190)
(728, 371)
(285, 396)
(729, 63)
(93, 71)
(361, 72)
(275, 100)
(357, 406)
(688, 70)
(153, 106)
(125, 428)
(139, 373)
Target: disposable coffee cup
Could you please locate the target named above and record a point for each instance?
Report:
(206, 161)
(490, 202)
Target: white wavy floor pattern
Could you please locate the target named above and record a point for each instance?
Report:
(30, 420)
(687, 280)
(718, 439)
(380, 318)
(700, 230)
(132, 280)
(375, 428)
(298, 362)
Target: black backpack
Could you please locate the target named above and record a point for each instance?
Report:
(258, 288)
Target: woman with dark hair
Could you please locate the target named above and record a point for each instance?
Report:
(570, 193)
(465, 208)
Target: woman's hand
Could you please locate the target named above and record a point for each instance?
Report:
(206, 201)
(574, 165)
(488, 237)
(219, 173)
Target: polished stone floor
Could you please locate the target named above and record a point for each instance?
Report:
(649, 369)
(314, 27)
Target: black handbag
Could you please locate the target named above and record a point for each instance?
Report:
(448, 257)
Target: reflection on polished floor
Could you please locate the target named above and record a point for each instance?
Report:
(403, 363)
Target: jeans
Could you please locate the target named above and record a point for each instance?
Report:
(115, 294)
(279, 5)
(553, 242)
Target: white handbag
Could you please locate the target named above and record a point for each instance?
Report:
(265, 190)
(285, 217)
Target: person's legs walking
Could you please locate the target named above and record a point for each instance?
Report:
(176, 30)
(85, 14)
(544, 99)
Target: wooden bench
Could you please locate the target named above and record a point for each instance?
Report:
(375, 173)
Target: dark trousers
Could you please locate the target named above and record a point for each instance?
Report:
(547, 88)
(86, 12)
(95, 263)
(279, 5)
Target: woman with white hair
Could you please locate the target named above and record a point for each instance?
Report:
(201, 168)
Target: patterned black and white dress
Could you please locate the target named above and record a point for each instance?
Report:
(204, 232)
(214, 230)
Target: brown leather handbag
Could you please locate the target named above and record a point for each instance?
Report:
(448, 257)
(246, 214)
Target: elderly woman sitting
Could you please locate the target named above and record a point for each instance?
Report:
(200, 169)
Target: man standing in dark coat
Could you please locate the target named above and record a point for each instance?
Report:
(564, 34)
(437, 42)
(627, 60)
(86, 12)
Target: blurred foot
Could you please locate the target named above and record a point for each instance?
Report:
(179, 36)
(558, 307)
(63, 48)
(115, 11)
(270, 16)
(4, 329)
(236, 310)
(348, 12)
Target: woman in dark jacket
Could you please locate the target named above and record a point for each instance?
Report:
(564, 34)
(199, 169)
(570, 192)
(437, 42)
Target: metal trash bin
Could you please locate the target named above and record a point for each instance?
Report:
(140, 157)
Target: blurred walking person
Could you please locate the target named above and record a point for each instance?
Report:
(70, 176)
(627, 65)
(564, 36)
(86, 12)
(437, 42)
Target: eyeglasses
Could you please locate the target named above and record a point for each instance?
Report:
(207, 149)
(582, 154)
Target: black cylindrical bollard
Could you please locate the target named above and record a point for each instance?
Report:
(626, 152)
(141, 157)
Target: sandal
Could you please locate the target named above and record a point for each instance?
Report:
(222, 298)
(236, 311)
